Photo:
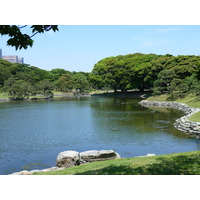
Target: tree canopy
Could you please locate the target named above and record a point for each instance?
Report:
(21, 40)
(160, 74)
(21, 80)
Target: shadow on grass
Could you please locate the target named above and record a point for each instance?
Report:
(188, 165)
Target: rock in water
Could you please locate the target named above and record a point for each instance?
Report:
(95, 155)
(68, 159)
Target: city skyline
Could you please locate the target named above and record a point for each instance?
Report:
(11, 58)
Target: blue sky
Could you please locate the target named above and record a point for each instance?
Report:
(79, 47)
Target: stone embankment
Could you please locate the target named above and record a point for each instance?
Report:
(183, 123)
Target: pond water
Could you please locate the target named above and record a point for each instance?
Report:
(32, 134)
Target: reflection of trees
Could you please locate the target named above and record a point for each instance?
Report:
(128, 114)
(114, 104)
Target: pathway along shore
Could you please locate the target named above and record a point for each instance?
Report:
(183, 123)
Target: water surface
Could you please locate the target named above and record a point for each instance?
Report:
(33, 133)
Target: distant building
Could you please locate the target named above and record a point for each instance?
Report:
(14, 59)
(21, 60)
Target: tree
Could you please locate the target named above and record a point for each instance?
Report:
(58, 72)
(17, 89)
(80, 82)
(65, 83)
(21, 40)
(5, 71)
(173, 86)
(162, 84)
(44, 87)
(124, 72)
(38, 74)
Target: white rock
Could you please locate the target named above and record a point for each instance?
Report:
(68, 159)
(95, 155)
(150, 155)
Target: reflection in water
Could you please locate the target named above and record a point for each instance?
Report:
(33, 133)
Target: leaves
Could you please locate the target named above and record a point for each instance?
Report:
(23, 41)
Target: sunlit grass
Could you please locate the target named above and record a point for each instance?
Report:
(189, 99)
(169, 164)
(195, 117)
(4, 95)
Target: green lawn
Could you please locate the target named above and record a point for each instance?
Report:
(170, 164)
(4, 95)
(195, 117)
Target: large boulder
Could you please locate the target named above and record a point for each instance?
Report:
(68, 159)
(95, 155)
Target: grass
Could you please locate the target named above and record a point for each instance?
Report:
(187, 163)
(190, 100)
(195, 117)
(4, 95)
(162, 97)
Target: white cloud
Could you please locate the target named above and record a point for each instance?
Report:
(146, 42)
(153, 43)
(168, 29)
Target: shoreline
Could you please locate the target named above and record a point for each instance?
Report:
(70, 95)
(182, 124)
(56, 168)
(4, 100)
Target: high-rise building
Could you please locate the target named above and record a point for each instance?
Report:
(12, 59)
(21, 60)
(0, 53)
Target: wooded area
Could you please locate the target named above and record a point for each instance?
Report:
(175, 75)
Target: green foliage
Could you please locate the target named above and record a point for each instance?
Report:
(21, 40)
(80, 82)
(44, 87)
(5, 71)
(17, 89)
(21, 80)
(175, 75)
(145, 71)
(163, 82)
(58, 72)
(122, 72)
(65, 83)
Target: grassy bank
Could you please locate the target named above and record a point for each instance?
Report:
(189, 100)
(170, 164)
(57, 95)
(4, 95)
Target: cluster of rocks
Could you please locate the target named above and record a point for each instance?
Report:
(68, 159)
(73, 158)
(183, 123)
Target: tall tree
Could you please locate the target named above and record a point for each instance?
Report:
(65, 82)
(80, 82)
